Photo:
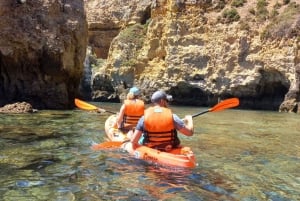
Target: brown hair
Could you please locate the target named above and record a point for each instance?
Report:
(130, 96)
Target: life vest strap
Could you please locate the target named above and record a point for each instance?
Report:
(163, 132)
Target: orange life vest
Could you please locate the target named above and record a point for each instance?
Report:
(134, 109)
(159, 128)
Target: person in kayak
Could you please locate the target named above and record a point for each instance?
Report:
(158, 127)
(131, 111)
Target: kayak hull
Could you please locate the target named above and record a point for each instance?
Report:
(179, 157)
(112, 133)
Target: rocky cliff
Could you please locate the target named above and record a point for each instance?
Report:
(200, 51)
(42, 49)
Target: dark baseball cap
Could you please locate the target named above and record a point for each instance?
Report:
(159, 95)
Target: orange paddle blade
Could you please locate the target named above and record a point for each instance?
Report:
(84, 105)
(107, 145)
(228, 103)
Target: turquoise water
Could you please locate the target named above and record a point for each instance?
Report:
(241, 155)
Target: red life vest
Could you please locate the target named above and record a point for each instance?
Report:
(159, 128)
(134, 109)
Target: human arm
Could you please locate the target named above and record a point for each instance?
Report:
(135, 138)
(185, 126)
(133, 143)
(120, 116)
(139, 129)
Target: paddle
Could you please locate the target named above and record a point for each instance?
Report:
(225, 104)
(86, 106)
(107, 145)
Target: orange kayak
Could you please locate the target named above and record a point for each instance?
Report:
(112, 133)
(179, 157)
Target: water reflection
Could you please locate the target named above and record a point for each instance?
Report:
(241, 155)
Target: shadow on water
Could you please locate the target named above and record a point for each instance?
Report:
(241, 155)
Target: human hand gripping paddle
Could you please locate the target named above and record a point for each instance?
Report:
(225, 104)
(87, 106)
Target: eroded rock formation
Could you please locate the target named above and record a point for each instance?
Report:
(204, 51)
(19, 107)
(199, 51)
(107, 18)
(42, 49)
(291, 102)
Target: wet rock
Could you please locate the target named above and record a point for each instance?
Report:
(19, 107)
(103, 89)
(291, 101)
(42, 49)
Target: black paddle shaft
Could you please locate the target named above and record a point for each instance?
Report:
(200, 113)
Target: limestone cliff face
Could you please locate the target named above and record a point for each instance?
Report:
(107, 18)
(42, 49)
(203, 51)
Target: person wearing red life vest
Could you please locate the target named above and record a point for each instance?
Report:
(158, 127)
(131, 110)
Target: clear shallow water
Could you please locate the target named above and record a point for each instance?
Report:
(241, 155)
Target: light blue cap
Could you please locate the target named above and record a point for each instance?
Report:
(135, 91)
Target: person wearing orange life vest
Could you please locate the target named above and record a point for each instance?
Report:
(158, 127)
(131, 110)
